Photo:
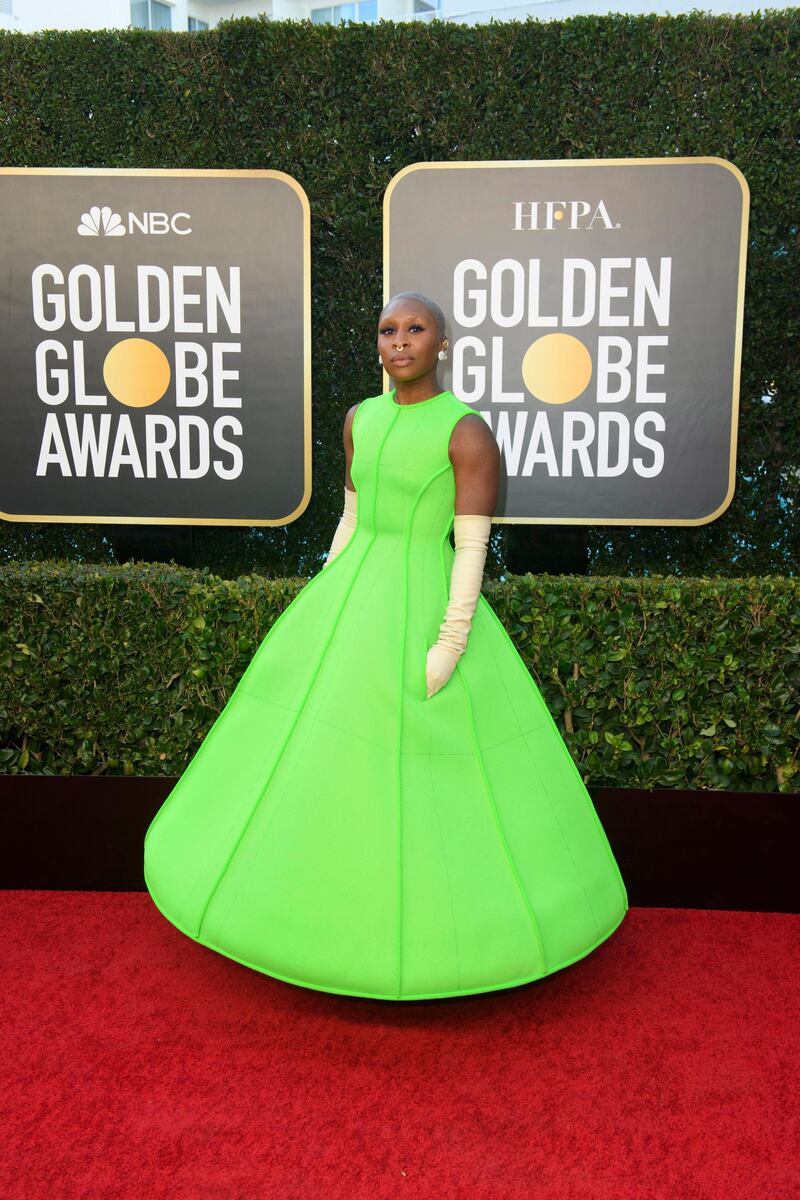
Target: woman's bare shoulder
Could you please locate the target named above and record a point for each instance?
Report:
(472, 438)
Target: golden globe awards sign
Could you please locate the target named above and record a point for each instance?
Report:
(595, 316)
(155, 360)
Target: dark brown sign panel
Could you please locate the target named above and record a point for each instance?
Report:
(595, 311)
(155, 360)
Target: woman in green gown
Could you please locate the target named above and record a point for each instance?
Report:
(385, 807)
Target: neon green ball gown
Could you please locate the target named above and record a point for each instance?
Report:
(337, 829)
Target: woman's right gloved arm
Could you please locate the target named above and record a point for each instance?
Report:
(346, 526)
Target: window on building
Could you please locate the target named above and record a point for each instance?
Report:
(151, 14)
(195, 23)
(427, 7)
(359, 10)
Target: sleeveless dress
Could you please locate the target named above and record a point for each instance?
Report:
(337, 829)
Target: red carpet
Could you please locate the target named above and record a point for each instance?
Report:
(139, 1064)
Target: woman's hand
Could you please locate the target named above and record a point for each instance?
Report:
(439, 666)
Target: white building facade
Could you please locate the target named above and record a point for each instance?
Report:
(31, 16)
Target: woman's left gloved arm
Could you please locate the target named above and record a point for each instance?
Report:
(471, 535)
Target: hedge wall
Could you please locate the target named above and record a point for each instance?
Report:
(343, 108)
(653, 682)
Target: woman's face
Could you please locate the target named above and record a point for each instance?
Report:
(408, 340)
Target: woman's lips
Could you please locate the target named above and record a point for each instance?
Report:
(400, 360)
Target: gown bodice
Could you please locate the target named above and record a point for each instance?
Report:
(401, 468)
(405, 483)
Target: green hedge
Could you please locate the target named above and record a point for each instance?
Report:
(653, 682)
(344, 108)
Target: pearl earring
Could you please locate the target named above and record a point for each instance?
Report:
(380, 360)
(442, 355)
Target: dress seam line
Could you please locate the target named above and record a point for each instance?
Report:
(548, 717)
(289, 733)
(398, 769)
(555, 816)
(493, 808)
(275, 764)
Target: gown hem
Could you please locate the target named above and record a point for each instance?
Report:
(319, 987)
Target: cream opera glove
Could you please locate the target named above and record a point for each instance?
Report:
(346, 526)
(472, 542)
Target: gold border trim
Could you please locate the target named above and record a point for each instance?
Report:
(737, 353)
(196, 172)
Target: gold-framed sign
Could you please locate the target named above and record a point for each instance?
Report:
(156, 360)
(596, 311)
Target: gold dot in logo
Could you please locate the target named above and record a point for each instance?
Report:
(136, 372)
(556, 368)
(559, 216)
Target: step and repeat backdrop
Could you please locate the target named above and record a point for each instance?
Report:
(155, 364)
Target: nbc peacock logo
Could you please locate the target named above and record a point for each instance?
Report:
(101, 222)
(104, 222)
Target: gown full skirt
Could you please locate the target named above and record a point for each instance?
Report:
(339, 830)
